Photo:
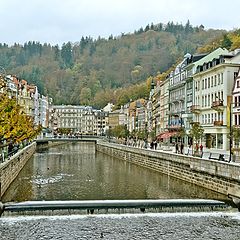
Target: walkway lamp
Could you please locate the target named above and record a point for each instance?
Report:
(230, 132)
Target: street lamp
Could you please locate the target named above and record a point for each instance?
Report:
(230, 132)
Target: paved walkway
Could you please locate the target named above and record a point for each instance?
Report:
(207, 153)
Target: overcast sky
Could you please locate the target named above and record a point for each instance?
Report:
(58, 21)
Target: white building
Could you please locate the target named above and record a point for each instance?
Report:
(78, 119)
(213, 84)
(43, 110)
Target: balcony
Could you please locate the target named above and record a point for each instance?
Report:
(195, 123)
(218, 105)
(173, 127)
(195, 109)
(218, 123)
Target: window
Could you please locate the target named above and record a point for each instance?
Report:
(238, 84)
(235, 74)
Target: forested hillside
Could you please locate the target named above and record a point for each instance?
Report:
(102, 70)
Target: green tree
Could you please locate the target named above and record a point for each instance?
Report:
(66, 54)
(85, 95)
(236, 135)
(226, 42)
(196, 132)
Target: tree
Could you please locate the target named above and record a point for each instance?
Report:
(236, 135)
(181, 133)
(66, 54)
(85, 95)
(196, 132)
(226, 42)
(15, 125)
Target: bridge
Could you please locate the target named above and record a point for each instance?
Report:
(85, 138)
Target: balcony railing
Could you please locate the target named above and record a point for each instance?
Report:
(195, 109)
(197, 123)
(173, 127)
(218, 123)
(218, 105)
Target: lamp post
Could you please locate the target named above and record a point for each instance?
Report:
(230, 132)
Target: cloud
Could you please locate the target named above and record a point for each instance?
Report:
(57, 21)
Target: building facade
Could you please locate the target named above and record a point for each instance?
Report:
(77, 119)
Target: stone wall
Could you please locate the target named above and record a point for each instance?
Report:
(218, 176)
(11, 168)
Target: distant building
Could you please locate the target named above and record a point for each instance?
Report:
(78, 119)
(108, 107)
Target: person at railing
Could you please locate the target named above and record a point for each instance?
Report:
(182, 148)
(176, 147)
(10, 148)
(201, 148)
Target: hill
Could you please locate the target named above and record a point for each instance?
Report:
(102, 70)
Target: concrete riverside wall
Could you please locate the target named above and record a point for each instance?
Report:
(11, 168)
(218, 176)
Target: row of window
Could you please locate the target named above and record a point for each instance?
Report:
(210, 118)
(177, 94)
(207, 100)
(210, 82)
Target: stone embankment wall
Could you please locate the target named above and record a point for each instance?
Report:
(218, 176)
(11, 168)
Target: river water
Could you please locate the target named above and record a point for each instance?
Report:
(76, 172)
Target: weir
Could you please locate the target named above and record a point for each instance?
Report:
(111, 206)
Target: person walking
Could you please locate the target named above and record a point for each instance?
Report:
(182, 148)
(10, 148)
(176, 146)
(155, 144)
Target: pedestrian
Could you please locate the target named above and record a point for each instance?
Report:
(176, 146)
(201, 148)
(197, 147)
(151, 145)
(10, 147)
(155, 144)
(146, 144)
(182, 147)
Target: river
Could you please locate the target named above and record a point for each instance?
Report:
(76, 172)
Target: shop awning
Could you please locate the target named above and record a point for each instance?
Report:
(166, 135)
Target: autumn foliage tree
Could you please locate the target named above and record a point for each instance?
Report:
(14, 124)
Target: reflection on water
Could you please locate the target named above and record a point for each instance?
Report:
(75, 171)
